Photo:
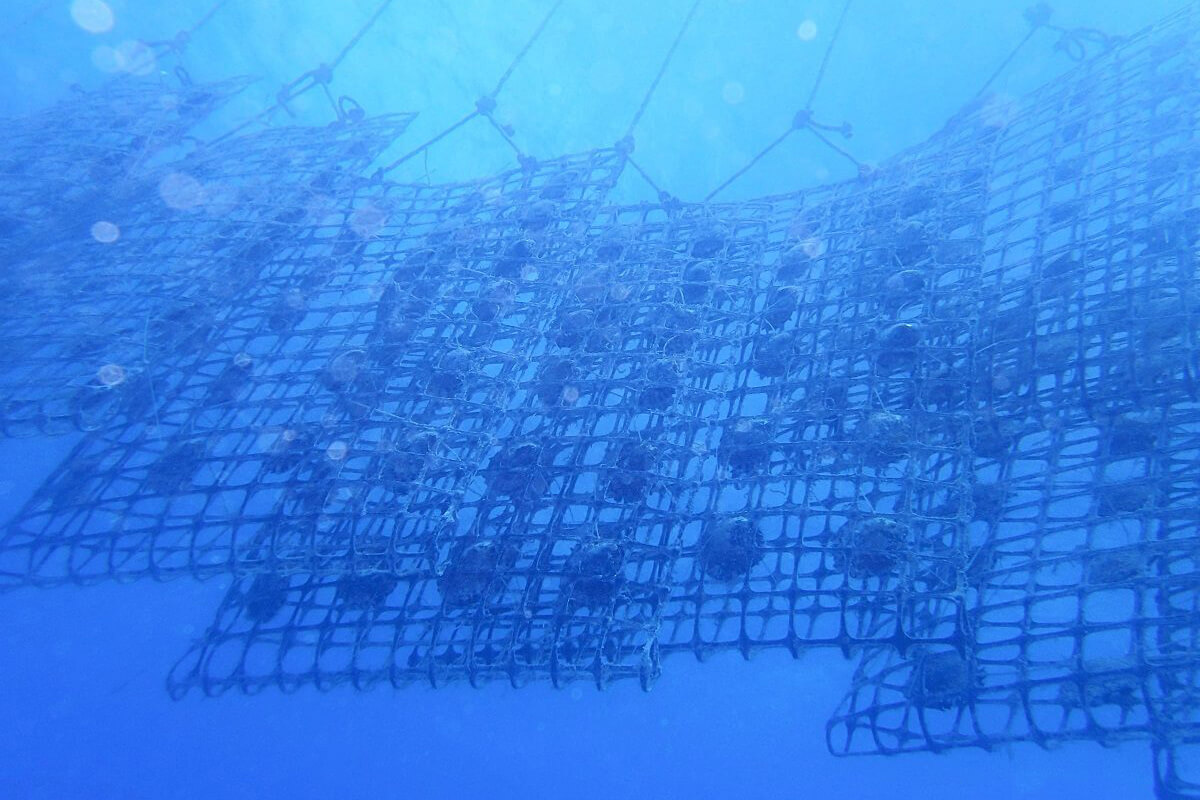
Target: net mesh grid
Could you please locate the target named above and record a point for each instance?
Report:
(945, 414)
(153, 294)
(63, 155)
(1081, 589)
(341, 358)
(659, 385)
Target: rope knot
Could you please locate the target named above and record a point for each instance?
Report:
(1038, 15)
(322, 74)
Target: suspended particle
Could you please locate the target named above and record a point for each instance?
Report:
(105, 232)
(93, 16)
(111, 375)
(337, 450)
(136, 58)
(181, 192)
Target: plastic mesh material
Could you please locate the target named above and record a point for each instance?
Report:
(945, 414)
(369, 339)
(1176, 776)
(733, 427)
(1081, 591)
(187, 238)
(68, 155)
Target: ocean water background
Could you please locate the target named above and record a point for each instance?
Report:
(82, 670)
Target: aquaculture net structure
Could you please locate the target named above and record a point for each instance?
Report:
(142, 294)
(1081, 593)
(943, 415)
(580, 434)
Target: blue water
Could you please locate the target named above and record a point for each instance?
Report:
(82, 670)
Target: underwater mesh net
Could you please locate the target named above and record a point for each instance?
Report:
(943, 415)
(194, 234)
(1081, 593)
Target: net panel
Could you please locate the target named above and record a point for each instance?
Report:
(88, 143)
(360, 374)
(185, 239)
(1080, 588)
(702, 378)
(946, 412)
(1175, 775)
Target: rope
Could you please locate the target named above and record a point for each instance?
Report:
(504, 133)
(521, 55)
(385, 170)
(840, 151)
(211, 12)
(1073, 42)
(179, 42)
(637, 168)
(662, 70)
(1003, 65)
(804, 118)
(321, 76)
(761, 154)
(837, 32)
(485, 105)
(362, 31)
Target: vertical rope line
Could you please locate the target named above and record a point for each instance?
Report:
(521, 55)
(662, 70)
(362, 31)
(837, 32)
(1003, 65)
(217, 6)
